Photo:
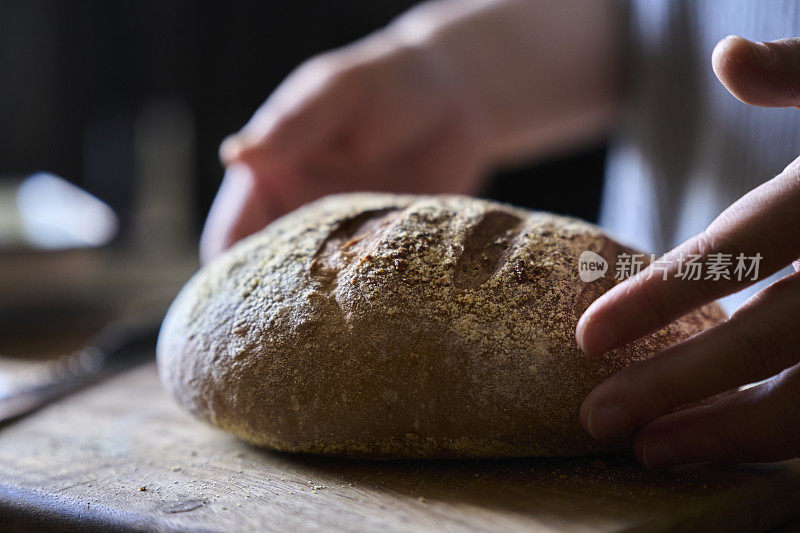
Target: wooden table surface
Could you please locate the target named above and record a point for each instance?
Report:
(123, 456)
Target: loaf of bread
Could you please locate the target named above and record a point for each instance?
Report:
(379, 325)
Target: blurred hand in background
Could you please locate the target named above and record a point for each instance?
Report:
(425, 105)
(376, 116)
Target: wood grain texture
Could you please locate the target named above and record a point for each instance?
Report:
(81, 464)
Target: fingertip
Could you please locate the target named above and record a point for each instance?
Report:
(242, 206)
(732, 48)
(583, 415)
(720, 56)
(605, 420)
(586, 411)
(759, 73)
(656, 454)
(606, 411)
(733, 61)
(225, 210)
(229, 149)
(584, 324)
(579, 332)
(593, 334)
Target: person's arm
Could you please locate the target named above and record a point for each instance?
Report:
(543, 74)
(425, 105)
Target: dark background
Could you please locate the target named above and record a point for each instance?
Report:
(75, 76)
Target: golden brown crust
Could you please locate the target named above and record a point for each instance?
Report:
(400, 326)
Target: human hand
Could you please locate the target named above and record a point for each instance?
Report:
(379, 115)
(426, 105)
(759, 342)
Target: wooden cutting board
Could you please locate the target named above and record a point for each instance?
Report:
(122, 456)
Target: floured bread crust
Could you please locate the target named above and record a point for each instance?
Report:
(380, 325)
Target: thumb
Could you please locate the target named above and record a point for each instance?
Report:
(762, 74)
(244, 204)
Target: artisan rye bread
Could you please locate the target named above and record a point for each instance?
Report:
(400, 326)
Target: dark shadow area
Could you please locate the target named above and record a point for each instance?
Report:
(549, 489)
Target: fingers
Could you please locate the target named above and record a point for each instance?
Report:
(758, 424)
(761, 222)
(762, 74)
(759, 341)
(761, 423)
(243, 205)
(300, 116)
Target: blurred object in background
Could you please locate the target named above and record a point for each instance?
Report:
(50, 230)
(46, 212)
(58, 269)
(165, 175)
